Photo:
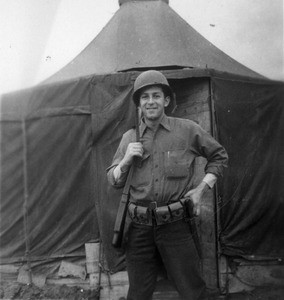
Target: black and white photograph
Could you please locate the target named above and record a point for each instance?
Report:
(142, 149)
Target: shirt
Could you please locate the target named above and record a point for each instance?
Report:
(165, 172)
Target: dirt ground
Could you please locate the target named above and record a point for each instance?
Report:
(259, 294)
(14, 290)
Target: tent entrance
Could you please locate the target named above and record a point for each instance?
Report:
(194, 103)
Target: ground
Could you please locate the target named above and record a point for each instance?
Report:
(13, 290)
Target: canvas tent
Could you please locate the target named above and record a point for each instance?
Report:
(148, 34)
(58, 138)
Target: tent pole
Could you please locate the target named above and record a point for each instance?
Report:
(214, 132)
(25, 206)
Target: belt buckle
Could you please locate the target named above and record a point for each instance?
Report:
(152, 206)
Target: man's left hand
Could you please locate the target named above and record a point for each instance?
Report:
(196, 194)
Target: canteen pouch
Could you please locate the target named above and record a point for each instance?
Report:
(162, 215)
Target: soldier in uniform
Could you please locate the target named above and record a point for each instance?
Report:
(161, 185)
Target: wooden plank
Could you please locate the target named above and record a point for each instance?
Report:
(92, 257)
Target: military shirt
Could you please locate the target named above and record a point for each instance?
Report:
(165, 171)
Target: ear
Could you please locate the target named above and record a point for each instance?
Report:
(167, 101)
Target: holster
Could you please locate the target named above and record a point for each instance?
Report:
(189, 206)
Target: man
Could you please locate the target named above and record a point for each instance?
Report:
(162, 179)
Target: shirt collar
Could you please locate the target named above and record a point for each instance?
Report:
(164, 123)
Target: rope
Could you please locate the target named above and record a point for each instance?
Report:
(25, 205)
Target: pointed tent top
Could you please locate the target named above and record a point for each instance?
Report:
(120, 2)
(148, 35)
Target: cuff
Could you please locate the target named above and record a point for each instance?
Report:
(210, 179)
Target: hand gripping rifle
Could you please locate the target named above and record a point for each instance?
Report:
(122, 209)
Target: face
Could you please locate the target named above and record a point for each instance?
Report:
(152, 102)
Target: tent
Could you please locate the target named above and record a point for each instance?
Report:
(148, 34)
(58, 138)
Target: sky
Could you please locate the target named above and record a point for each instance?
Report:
(39, 37)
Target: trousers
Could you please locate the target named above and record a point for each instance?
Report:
(173, 244)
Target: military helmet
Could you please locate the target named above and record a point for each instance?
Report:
(149, 78)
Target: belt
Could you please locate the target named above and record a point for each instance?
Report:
(157, 215)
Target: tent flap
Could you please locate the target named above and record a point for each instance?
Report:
(250, 121)
(46, 175)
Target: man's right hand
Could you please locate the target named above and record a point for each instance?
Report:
(133, 149)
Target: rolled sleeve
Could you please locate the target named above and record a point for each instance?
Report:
(110, 176)
(208, 147)
(119, 155)
(210, 179)
(217, 162)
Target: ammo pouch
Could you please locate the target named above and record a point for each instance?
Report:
(139, 214)
(162, 215)
(169, 213)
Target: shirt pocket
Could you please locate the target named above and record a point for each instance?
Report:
(177, 163)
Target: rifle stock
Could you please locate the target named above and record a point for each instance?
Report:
(122, 209)
(121, 216)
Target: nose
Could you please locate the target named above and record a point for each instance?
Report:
(151, 99)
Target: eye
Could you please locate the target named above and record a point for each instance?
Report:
(144, 97)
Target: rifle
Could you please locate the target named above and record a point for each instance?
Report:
(123, 205)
